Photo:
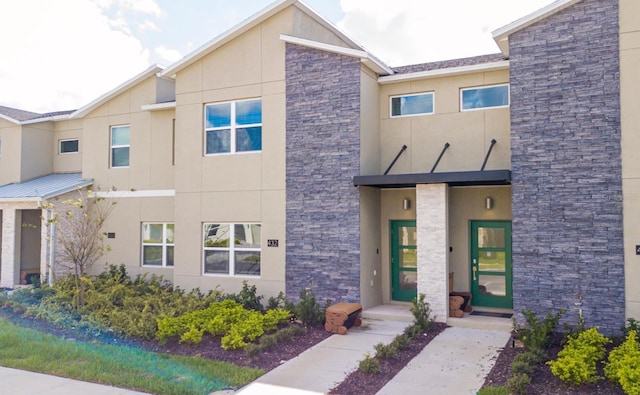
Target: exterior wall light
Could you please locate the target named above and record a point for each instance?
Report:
(406, 204)
(488, 203)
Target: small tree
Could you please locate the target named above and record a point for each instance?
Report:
(80, 234)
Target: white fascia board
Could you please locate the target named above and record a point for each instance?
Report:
(37, 200)
(152, 70)
(137, 194)
(371, 62)
(46, 119)
(158, 106)
(502, 65)
(83, 184)
(225, 37)
(10, 119)
(501, 35)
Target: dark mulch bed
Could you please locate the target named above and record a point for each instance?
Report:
(359, 382)
(542, 381)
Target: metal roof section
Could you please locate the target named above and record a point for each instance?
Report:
(254, 21)
(152, 70)
(501, 35)
(457, 178)
(366, 58)
(43, 187)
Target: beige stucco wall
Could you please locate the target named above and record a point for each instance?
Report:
(469, 132)
(36, 157)
(630, 122)
(10, 152)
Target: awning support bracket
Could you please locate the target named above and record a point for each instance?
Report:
(486, 158)
(446, 145)
(404, 147)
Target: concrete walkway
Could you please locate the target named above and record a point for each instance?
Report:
(455, 362)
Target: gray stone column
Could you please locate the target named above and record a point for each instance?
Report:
(432, 220)
(7, 271)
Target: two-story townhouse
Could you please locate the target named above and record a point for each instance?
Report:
(284, 154)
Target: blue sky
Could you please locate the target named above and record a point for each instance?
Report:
(62, 54)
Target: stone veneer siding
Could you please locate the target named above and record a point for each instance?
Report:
(323, 155)
(566, 166)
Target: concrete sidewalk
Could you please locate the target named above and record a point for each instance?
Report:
(21, 382)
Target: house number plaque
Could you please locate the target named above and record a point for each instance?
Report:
(272, 243)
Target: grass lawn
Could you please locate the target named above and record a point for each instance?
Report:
(119, 366)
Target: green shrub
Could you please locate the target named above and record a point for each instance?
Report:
(412, 331)
(497, 390)
(522, 367)
(631, 325)
(576, 363)
(369, 365)
(308, 309)
(278, 302)
(538, 334)
(385, 350)
(247, 297)
(421, 312)
(518, 383)
(531, 357)
(623, 366)
(401, 341)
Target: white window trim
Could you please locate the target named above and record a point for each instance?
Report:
(433, 109)
(462, 109)
(67, 153)
(164, 244)
(232, 128)
(231, 249)
(111, 146)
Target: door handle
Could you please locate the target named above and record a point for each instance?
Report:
(474, 272)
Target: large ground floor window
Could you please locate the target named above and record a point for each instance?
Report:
(157, 244)
(240, 257)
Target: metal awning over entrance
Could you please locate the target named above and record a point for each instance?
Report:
(43, 187)
(455, 178)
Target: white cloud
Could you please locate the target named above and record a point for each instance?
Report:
(64, 57)
(170, 55)
(416, 31)
(148, 25)
(140, 6)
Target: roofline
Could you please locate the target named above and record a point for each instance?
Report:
(366, 58)
(501, 35)
(250, 23)
(82, 184)
(35, 199)
(445, 72)
(151, 70)
(46, 119)
(12, 120)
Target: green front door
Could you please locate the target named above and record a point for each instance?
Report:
(491, 264)
(404, 260)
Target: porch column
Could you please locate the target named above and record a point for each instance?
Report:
(432, 220)
(7, 271)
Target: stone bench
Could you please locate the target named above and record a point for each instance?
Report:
(342, 316)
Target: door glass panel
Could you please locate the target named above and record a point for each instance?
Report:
(408, 281)
(407, 236)
(492, 285)
(408, 258)
(491, 237)
(491, 261)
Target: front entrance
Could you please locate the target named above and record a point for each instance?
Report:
(491, 264)
(404, 260)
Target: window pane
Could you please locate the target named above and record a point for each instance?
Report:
(169, 235)
(216, 262)
(169, 256)
(120, 135)
(249, 112)
(152, 256)
(218, 115)
(493, 96)
(408, 258)
(68, 146)
(218, 141)
(491, 238)
(407, 236)
(248, 262)
(492, 285)
(247, 235)
(249, 139)
(492, 261)
(216, 235)
(152, 233)
(414, 104)
(408, 281)
(120, 157)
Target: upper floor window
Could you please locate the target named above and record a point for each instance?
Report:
(120, 146)
(233, 127)
(416, 104)
(157, 244)
(240, 257)
(69, 146)
(484, 97)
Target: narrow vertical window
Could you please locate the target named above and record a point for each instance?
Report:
(120, 145)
